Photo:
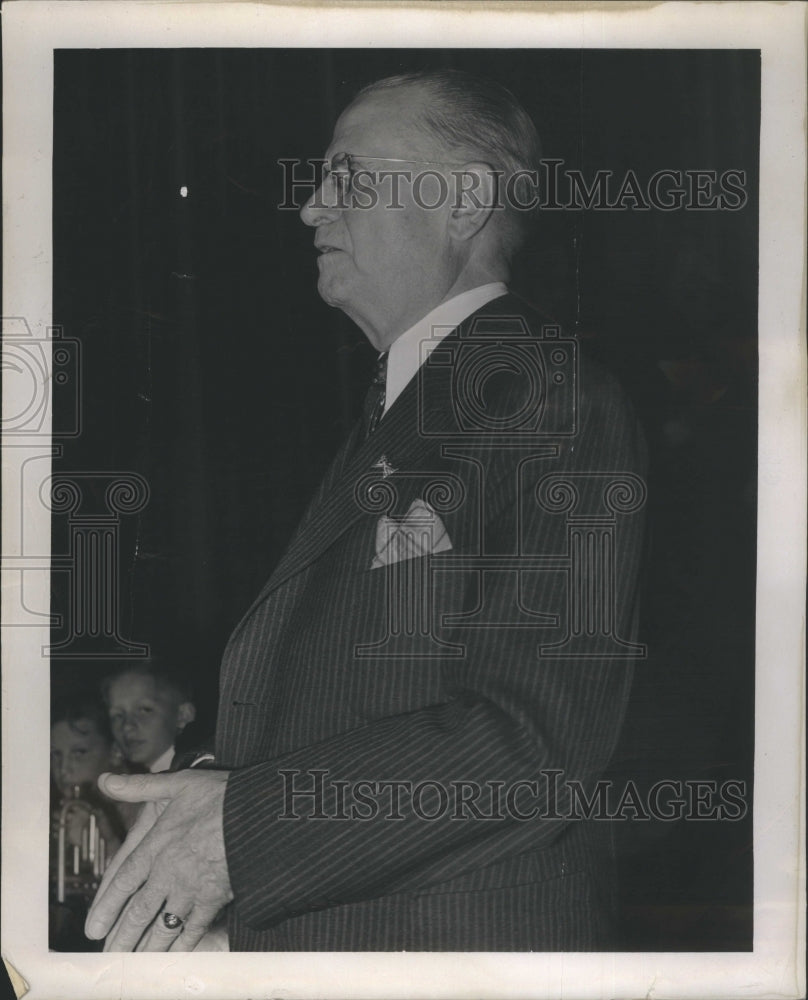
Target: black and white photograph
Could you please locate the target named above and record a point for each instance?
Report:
(394, 532)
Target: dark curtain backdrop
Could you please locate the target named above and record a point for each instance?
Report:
(211, 368)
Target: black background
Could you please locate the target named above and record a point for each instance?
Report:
(210, 367)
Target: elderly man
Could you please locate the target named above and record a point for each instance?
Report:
(429, 686)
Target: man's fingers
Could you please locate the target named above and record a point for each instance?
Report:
(178, 853)
(155, 790)
(101, 915)
(129, 878)
(141, 910)
(142, 787)
(161, 936)
(197, 924)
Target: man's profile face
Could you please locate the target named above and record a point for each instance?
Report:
(385, 267)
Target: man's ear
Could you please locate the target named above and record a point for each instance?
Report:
(185, 713)
(474, 195)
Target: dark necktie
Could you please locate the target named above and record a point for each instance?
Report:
(374, 400)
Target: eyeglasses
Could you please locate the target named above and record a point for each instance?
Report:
(342, 168)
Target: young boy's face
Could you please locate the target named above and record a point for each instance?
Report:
(79, 753)
(145, 717)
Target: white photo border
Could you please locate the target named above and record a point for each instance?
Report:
(31, 31)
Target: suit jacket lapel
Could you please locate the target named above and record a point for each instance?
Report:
(335, 507)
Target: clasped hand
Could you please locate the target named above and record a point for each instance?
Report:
(173, 861)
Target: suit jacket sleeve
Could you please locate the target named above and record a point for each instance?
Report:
(507, 723)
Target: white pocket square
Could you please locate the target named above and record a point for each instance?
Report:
(419, 533)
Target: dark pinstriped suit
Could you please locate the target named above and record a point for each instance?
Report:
(464, 703)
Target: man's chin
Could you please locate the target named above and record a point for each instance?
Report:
(329, 292)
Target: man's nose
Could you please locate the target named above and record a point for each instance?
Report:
(322, 206)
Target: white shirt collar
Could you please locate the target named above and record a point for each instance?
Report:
(163, 762)
(409, 351)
